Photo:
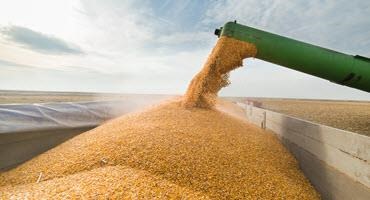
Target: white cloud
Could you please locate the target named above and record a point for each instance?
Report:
(47, 16)
(39, 42)
(114, 25)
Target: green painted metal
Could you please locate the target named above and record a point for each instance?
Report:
(352, 71)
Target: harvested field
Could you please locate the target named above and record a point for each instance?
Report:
(26, 97)
(202, 150)
(347, 115)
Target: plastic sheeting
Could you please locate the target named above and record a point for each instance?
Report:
(44, 116)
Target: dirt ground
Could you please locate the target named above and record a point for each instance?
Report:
(11, 97)
(347, 115)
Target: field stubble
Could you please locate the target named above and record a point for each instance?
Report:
(347, 115)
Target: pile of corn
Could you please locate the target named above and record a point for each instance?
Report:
(167, 152)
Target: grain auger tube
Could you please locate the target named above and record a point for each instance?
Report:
(340, 68)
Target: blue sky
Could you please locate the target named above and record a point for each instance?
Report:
(147, 46)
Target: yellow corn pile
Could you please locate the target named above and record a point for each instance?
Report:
(167, 152)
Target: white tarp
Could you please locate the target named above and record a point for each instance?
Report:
(26, 117)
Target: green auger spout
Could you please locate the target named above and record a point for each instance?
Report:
(348, 70)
